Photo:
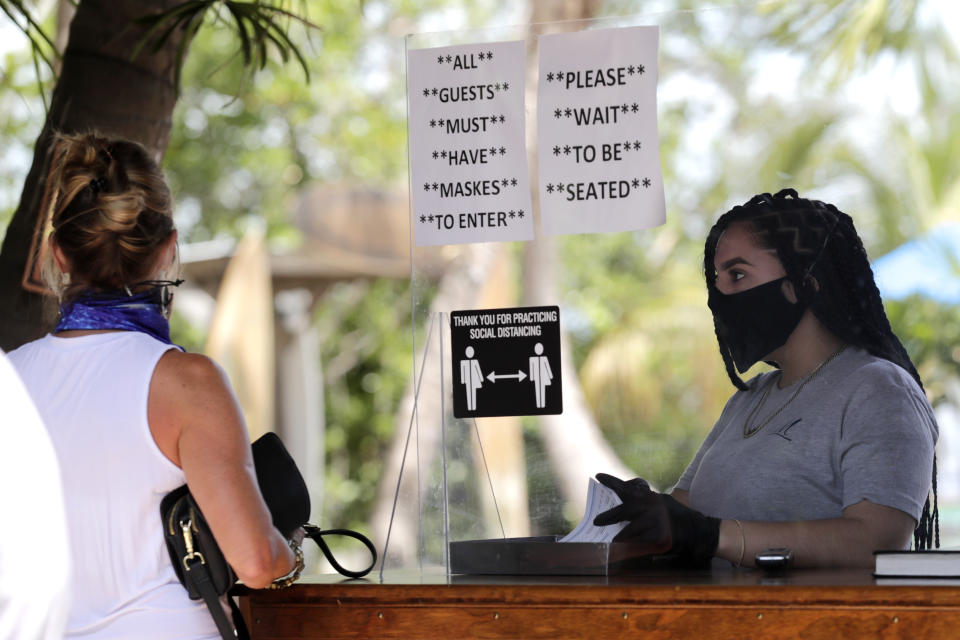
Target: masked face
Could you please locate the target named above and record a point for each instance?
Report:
(752, 304)
(755, 322)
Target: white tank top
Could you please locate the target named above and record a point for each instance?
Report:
(91, 392)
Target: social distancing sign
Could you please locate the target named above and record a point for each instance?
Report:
(506, 362)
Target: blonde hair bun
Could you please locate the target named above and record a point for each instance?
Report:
(112, 211)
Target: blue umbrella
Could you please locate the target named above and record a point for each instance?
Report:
(928, 266)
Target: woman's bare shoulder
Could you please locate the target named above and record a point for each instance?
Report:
(190, 389)
(182, 373)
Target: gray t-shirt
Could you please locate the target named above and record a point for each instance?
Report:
(861, 429)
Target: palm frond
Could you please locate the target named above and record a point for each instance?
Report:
(43, 51)
(241, 27)
(265, 21)
(261, 27)
(848, 36)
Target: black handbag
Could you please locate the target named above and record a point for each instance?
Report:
(196, 557)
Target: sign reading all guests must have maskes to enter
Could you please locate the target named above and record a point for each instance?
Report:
(599, 155)
(468, 159)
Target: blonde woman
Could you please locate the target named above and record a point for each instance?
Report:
(131, 416)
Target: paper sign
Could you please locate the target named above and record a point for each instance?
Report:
(506, 362)
(597, 128)
(468, 160)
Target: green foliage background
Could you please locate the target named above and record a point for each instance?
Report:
(365, 347)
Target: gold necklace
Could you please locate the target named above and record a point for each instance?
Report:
(747, 432)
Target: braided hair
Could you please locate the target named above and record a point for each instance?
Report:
(816, 241)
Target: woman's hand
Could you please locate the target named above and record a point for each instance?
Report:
(659, 520)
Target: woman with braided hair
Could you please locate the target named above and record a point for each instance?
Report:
(831, 454)
(131, 416)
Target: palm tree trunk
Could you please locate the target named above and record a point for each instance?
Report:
(66, 9)
(99, 88)
(573, 441)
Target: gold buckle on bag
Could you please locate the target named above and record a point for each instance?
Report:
(185, 527)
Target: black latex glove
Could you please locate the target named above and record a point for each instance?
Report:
(658, 519)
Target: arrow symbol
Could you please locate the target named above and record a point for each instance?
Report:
(520, 376)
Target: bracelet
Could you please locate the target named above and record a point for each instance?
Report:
(743, 544)
(290, 578)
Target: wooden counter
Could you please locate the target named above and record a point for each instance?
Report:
(720, 604)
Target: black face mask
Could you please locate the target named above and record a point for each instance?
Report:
(754, 322)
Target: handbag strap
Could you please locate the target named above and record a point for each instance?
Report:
(199, 576)
(316, 534)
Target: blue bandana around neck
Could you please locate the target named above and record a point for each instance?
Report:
(117, 310)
